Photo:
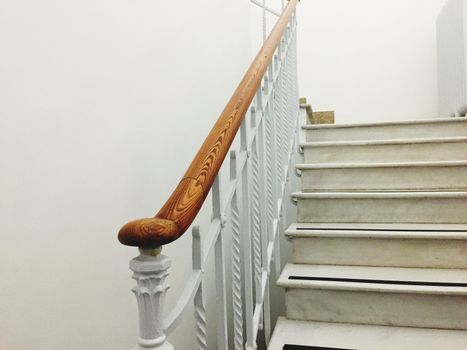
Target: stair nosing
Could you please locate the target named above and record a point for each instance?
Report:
(285, 282)
(362, 165)
(417, 231)
(389, 123)
(318, 144)
(379, 195)
(377, 234)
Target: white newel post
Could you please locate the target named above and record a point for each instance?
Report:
(150, 271)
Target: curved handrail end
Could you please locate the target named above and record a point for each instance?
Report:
(149, 232)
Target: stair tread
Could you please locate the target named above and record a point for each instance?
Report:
(378, 279)
(389, 123)
(384, 142)
(363, 337)
(451, 163)
(368, 230)
(381, 194)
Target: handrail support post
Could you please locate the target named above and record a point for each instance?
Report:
(150, 270)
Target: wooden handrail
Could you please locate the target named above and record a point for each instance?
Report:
(181, 208)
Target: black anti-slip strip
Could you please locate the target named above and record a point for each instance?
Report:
(371, 229)
(304, 347)
(361, 280)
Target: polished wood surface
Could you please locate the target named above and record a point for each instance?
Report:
(181, 208)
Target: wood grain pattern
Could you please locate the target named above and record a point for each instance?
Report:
(181, 208)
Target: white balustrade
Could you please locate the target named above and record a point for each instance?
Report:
(250, 204)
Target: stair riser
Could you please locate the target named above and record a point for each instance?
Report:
(388, 132)
(383, 210)
(385, 178)
(378, 308)
(423, 253)
(435, 151)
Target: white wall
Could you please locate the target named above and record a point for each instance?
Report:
(452, 58)
(369, 60)
(103, 104)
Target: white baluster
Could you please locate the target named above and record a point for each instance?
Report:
(200, 318)
(256, 215)
(237, 299)
(222, 332)
(277, 246)
(283, 125)
(246, 238)
(264, 236)
(199, 302)
(278, 119)
(150, 270)
(267, 194)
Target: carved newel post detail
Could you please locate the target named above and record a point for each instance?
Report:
(150, 271)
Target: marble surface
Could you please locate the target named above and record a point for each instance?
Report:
(364, 337)
(379, 201)
(433, 176)
(372, 251)
(391, 130)
(411, 150)
(382, 207)
(375, 303)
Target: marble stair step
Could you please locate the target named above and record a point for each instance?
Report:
(394, 245)
(382, 207)
(309, 335)
(422, 128)
(409, 176)
(386, 150)
(389, 296)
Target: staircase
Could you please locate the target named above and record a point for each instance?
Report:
(380, 246)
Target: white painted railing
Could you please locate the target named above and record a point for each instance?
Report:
(263, 4)
(248, 206)
(452, 63)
